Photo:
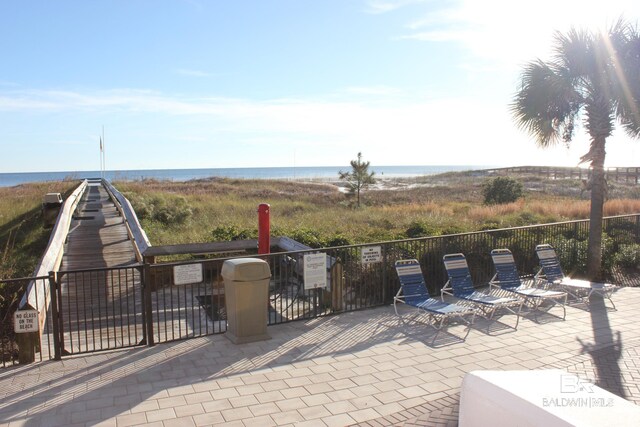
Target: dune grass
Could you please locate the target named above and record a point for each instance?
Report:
(318, 214)
(23, 237)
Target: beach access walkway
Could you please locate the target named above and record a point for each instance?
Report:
(360, 368)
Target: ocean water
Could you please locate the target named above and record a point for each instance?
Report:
(319, 172)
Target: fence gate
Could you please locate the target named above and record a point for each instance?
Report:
(185, 301)
(99, 309)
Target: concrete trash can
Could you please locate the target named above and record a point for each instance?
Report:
(246, 289)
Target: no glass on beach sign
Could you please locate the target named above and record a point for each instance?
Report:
(25, 321)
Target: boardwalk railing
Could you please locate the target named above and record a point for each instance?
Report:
(134, 229)
(617, 174)
(36, 296)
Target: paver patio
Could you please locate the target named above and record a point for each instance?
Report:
(364, 367)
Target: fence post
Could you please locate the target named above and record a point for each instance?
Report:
(147, 312)
(575, 245)
(55, 315)
(337, 286)
(27, 343)
(385, 279)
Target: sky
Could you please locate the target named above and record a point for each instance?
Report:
(258, 83)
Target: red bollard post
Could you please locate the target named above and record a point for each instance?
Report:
(264, 229)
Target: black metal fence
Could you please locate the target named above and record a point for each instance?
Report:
(101, 309)
(355, 282)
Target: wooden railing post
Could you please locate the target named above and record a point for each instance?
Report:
(337, 287)
(28, 343)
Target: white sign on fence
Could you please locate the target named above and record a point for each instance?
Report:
(25, 321)
(371, 254)
(187, 273)
(315, 271)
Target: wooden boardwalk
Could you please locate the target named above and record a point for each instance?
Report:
(101, 292)
(98, 235)
(101, 298)
(629, 175)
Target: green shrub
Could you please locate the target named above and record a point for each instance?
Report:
(628, 256)
(339, 240)
(308, 237)
(421, 229)
(174, 211)
(453, 229)
(502, 190)
(226, 233)
(167, 210)
(489, 225)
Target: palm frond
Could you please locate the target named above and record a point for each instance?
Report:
(573, 52)
(547, 103)
(627, 41)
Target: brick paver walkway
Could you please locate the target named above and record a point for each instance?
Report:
(365, 368)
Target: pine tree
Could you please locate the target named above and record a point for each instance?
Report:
(359, 177)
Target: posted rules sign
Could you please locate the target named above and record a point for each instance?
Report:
(25, 321)
(315, 271)
(371, 254)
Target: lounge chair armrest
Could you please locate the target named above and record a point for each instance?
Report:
(494, 284)
(445, 291)
(399, 299)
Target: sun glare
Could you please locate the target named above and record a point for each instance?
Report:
(508, 32)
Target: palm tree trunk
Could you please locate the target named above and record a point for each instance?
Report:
(598, 190)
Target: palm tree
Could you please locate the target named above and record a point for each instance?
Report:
(593, 77)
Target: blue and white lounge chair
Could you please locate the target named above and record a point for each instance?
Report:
(551, 274)
(508, 279)
(461, 286)
(413, 292)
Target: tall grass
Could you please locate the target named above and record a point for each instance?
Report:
(23, 237)
(23, 240)
(320, 213)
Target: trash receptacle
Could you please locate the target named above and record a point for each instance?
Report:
(246, 289)
(50, 208)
